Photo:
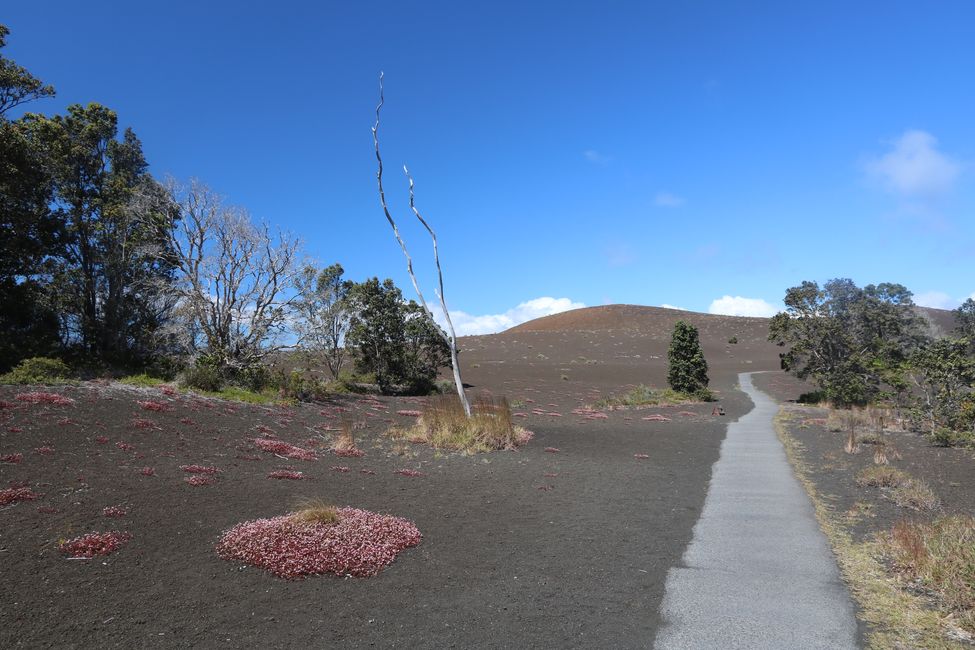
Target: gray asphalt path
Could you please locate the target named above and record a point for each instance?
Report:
(758, 573)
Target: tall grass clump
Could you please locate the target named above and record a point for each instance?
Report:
(646, 396)
(940, 556)
(315, 511)
(444, 425)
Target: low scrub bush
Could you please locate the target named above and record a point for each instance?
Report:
(945, 437)
(881, 476)
(143, 381)
(940, 556)
(203, 376)
(38, 370)
(94, 544)
(646, 396)
(916, 495)
(444, 425)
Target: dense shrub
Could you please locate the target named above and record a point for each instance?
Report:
(38, 370)
(688, 371)
(203, 376)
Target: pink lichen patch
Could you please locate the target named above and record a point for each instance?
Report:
(187, 421)
(114, 511)
(349, 453)
(199, 480)
(367, 472)
(11, 458)
(340, 468)
(151, 405)
(199, 469)
(148, 471)
(125, 446)
(169, 391)
(284, 449)
(46, 450)
(102, 440)
(412, 473)
(17, 494)
(554, 415)
(94, 544)
(552, 450)
(360, 544)
(641, 456)
(656, 417)
(39, 397)
(288, 474)
(409, 412)
(15, 430)
(145, 423)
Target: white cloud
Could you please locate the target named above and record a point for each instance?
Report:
(939, 300)
(738, 306)
(668, 200)
(914, 166)
(597, 158)
(666, 306)
(468, 324)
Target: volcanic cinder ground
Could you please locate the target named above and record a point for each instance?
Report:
(522, 548)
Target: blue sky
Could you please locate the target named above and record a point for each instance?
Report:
(700, 155)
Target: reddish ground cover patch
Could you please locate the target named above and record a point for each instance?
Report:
(656, 418)
(349, 453)
(409, 412)
(124, 446)
(360, 543)
(148, 471)
(284, 449)
(94, 544)
(114, 511)
(641, 456)
(152, 405)
(39, 397)
(102, 440)
(199, 480)
(16, 494)
(199, 469)
(288, 474)
(46, 450)
(11, 458)
(144, 423)
(409, 472)
(339, 468)
(552, 450)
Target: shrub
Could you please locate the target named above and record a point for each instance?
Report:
(143, 381)
(444, 425)
(812, 397)
(688, 370)
(940, 556)
(881, 476)
(647, 396)
(945, 437)
(203, 376)
(38, 370)
(733, 340)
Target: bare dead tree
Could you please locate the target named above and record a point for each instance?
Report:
(234, 276)
(450, 336)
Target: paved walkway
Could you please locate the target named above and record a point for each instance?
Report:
(758, 573)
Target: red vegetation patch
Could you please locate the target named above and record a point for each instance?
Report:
(368, 472)
(349, 453)
(169, 390)
(11, 458)
(641, 456)
(6, 405)
(143, 423)
(43, 398)
(102, 440)
(687, 414)
(360, 543)
(286, 474)
(16, 494)
(656, 418)
(339, 468)
(284, 449)
(124, 446)
(94, 544)
(114, 511)
(148, 471)
(199, 469)
(552, 450)
(409, 472)
(15, 430)
(198, 480)
(411, 413)
(152, 405)
(47, 510)
(46, 450)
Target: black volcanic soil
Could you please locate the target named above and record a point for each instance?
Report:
(525, 548)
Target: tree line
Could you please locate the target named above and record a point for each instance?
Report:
(863, 345)
(105, 266)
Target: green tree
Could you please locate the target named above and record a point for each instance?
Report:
(965, 320)
(943, 373)
(688, 370)
(393, 339)
(28, 230)
(323, 313)
(111, 268)
(847, 339)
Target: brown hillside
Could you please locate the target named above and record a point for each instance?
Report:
(634, 317)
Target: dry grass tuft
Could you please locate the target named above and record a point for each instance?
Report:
(881, 476)
(315, 511)
(939, 555)
(444, 425)
(916, 495)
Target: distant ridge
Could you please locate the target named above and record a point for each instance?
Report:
(626, 317)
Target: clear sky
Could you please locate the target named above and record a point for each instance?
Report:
(704, 155)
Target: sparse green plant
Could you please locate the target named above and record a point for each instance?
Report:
(643, 395)
(733, 340)
(38, 370)
(946, 437)
(143, 381)
(315, 511)
(940, 556)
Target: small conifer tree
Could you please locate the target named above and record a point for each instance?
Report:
(688, 372)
